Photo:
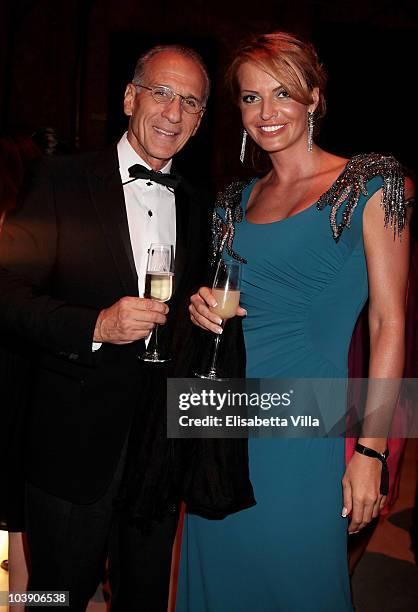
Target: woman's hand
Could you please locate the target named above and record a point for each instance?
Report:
(361, 490)
(202, 316)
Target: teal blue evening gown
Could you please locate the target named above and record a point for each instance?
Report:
(303, 293)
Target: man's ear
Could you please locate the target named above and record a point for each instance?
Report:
(198, 123)
(129, 99)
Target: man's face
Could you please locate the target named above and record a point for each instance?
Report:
(157, 131)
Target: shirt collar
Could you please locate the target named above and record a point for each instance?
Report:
(128, 157)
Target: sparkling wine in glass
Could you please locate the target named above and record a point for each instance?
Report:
(226, 291)
(158, 286)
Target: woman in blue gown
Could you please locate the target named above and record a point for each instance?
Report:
(314, 233)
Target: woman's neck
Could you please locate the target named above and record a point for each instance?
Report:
(292, 166)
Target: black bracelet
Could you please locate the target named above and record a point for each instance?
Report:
(370, 452)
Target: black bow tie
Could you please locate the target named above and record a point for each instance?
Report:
(140, 172)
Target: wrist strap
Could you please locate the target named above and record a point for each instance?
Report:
(370, 452)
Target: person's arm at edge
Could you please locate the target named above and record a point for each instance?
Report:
(387, 262)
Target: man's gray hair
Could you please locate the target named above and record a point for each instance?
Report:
(141, 64)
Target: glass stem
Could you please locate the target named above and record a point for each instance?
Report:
(212, 369)
(155, 339)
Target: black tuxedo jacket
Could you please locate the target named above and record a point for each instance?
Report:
(65, 254)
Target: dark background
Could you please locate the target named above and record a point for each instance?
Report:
(65, 64)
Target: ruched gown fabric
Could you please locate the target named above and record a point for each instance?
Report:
(303, 293)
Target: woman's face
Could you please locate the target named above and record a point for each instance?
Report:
(271, 117)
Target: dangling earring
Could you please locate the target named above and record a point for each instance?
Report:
(244, 142)
(310, 130)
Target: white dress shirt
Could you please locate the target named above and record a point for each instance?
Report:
(150, 208)
(151, 212)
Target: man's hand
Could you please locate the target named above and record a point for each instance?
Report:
(361, 487)
(129, 319)
(202, 316)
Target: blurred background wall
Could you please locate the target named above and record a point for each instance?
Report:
(65, 64)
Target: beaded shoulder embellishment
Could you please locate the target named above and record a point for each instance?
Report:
(223, 230)
(351, 184)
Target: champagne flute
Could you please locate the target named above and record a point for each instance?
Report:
(226, 291)
(158, 286)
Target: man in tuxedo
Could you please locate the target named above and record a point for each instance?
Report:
(73, 261)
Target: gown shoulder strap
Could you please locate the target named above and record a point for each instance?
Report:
(226, 214)
(352, 183)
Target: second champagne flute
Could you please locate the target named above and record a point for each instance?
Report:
(226, 291)
(158, 286)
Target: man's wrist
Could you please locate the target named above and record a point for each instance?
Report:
(97, 335)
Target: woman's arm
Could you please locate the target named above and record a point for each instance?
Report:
(387, 264)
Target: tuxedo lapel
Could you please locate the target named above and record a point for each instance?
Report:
(106, 192)
(182, 235)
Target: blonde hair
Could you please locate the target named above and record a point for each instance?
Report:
(291, 61)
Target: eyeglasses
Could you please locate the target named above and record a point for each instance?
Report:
(165, 95)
